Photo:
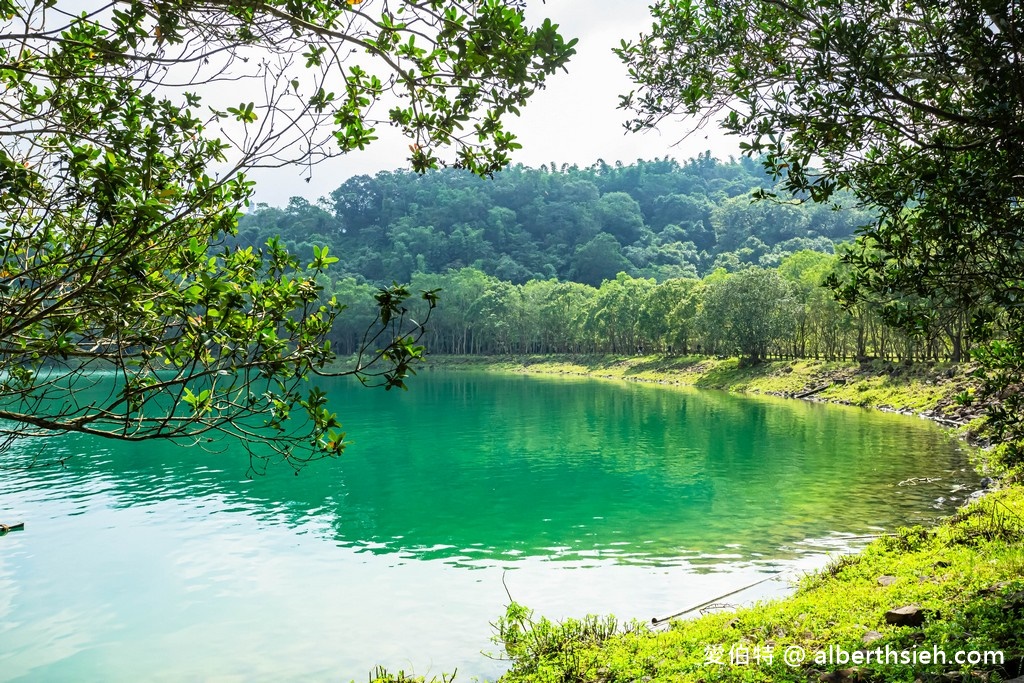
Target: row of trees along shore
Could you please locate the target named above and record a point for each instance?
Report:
(783, 312)
(656, 256)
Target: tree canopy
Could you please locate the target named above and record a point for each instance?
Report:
(127, 131)
(915, 106)
(660, 218)
(757, 313)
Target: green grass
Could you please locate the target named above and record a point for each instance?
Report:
(875, 384)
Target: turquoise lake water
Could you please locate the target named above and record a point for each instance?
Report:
(160, 562)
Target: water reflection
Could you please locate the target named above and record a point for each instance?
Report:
(468, 467)
(164, 563)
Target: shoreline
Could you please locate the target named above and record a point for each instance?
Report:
(925, 391)
(957, 585)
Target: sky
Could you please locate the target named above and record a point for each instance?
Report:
(574, 120)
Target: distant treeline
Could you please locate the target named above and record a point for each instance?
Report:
(755, 312)
(653, 219)
(656, 256)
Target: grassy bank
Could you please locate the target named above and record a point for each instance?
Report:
(927, 389)
(955, 587)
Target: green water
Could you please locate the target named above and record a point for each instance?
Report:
(159, 562)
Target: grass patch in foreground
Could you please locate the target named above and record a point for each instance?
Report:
(966, 577)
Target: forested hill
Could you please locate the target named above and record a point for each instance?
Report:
(660, 219)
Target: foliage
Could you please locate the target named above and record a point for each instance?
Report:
(759, 313)
(914, 106)
(1003, 372)
(662, 219)
(747, 312)
(122, 176)
(382, 675)
(569, 644)
(598, 260)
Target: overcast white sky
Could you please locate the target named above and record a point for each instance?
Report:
(575, 120)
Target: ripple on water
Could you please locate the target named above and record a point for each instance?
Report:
(578, 496)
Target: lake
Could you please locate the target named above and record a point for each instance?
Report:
(160, 562)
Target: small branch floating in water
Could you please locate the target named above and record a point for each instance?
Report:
(865, 536)
(914, 481)
(656, 620)
(812, 392)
